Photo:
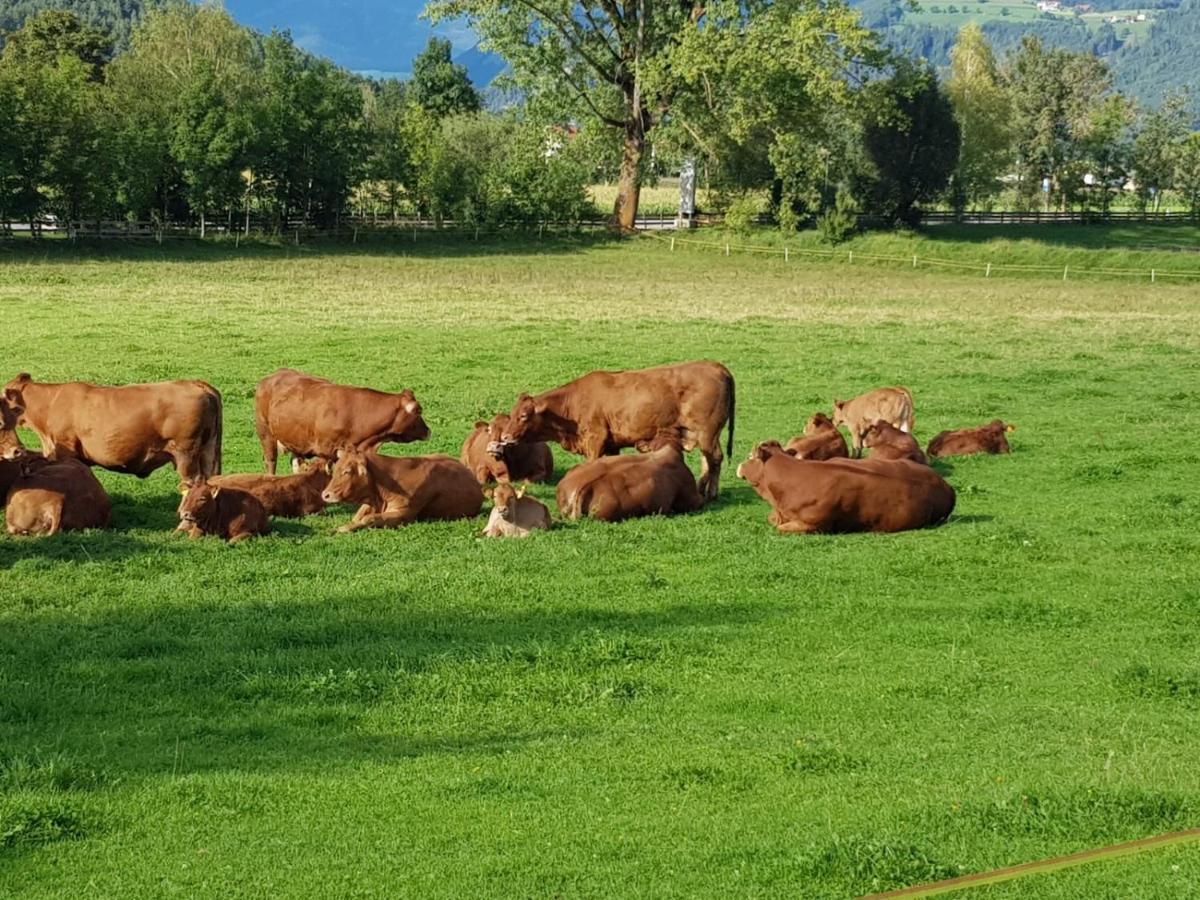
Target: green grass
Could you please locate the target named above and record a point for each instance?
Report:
(686, 707)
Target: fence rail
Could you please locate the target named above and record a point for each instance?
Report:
(1034, 217)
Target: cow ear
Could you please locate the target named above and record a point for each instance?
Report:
(488, 492)
(791, 451)
(479, 423)
(521, 490)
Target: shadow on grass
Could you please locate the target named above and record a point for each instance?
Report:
(1183, 235)
(69, 547)
(429, 244)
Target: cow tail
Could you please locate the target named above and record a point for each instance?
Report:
(732, 406)
(220, 431)
(213, 448)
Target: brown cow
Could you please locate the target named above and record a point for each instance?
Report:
(613, 488)
(821, 440)
(514, 514)
(133, 428)
(49, 497)
(283, 496)
(10, 442)
(886, 442)
(227, 513)
(986, 439)
(485, 454)
(395, 491)
(834, 496)
(309, 416)
(892, 404)
(602, 412)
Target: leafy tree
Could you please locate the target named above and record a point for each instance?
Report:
(440, 86)
(1156, 148)
(911, 141)
(1187, 173)
(629, 65)
(116, 19)
(1103, 156)
(388, 160)
(983, 111)
(51, 34)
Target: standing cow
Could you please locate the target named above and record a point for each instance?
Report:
(133, 428)
(602, 412)
(309, 416)
(893, 405)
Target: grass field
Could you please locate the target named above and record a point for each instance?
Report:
(686, 707)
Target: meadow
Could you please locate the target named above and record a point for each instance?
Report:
(690, 707)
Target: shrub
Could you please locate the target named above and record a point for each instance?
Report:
(841, 222)
(742, 214)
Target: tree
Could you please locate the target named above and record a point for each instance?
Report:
(1156, 148)
(622, 62)
(51, 34)
(911, 141)
(1187, 173)
(438, 84)
(983, 111)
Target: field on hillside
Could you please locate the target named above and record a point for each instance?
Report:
(685, 707)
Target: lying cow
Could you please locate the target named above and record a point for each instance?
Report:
(886, 442)
(395, 491)
(820, 440)
(603, 412)
(514, 514)
(49, 497)
(486, 455)
(989, 438)
(283, 496)
(228, 513)
(835, 496)
(893, 405)
(309, 416)
(613, 488)
(134, 429)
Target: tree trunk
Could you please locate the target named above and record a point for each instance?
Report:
(202, 224)
(629, 184)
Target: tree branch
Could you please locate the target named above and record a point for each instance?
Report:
(574, 41)
(606, 119)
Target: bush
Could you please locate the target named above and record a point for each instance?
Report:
(787, 217)
(742, 214)
(841, 222)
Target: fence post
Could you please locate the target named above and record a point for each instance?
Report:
(989, 271)
(541, 226)
(851, 260)
(297, 236)
(785, 254)
(914, 260)
(1152, 274)
(237, 239)
(672, 243)
(1065, 268)
(726, 249)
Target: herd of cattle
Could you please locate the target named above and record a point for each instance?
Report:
(333, 433)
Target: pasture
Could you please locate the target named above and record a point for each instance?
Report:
(682, 707)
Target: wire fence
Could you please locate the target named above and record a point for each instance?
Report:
(987, 269)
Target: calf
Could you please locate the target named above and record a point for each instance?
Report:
(514, 514)
(49, 497)
(886, 442)
(133, 428)
(821, 440)
(229, 513)
(309, 416)
(602, 412)
(283, 496)
(613, 488)
(834, 496)
(989, 438)
(490, 459)
(395, 491)
(892, 404)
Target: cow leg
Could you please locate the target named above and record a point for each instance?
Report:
(794, 528)
(390, 518)
(189, 463)
(711, 458)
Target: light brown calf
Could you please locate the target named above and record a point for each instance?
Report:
(892, 404)
(49, 497)
(514, 514)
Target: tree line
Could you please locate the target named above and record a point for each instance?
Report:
(201, 120)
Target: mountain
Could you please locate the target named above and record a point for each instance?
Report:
(116, 17)
(1167, 60)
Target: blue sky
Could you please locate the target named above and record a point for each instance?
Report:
(375, 36)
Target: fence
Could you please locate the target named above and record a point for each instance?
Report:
(1080, 217)
(915, 261)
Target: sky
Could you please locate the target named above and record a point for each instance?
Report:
(375, 37)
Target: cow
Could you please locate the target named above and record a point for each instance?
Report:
(133, 428)
(820, 440)
(309, 416)
(988, 438)
(886, 442)
(395, 491)
(602, 412)
(838, 496)
(53, 496)
(228, 513)
(892, 404)
(485, 454)
(283, 496)
(514, 514)
(614, 488)
(10, 442)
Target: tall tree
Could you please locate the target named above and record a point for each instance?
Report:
(911, 141)
(51, 34)
(622, 61)
(1187, 173)
(438, 84)
(1156, 149)
(983, 111)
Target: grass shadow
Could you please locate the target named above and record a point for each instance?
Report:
(69, 547)
(1154, 236)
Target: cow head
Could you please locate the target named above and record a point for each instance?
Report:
(495, 433)
(839, 413)
(1000, 425)
(524, 419)
(350, 481)
(504, 499)
(752, 469)
(818, 424)
(10, 414)
(199, 499)
(408, 425)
